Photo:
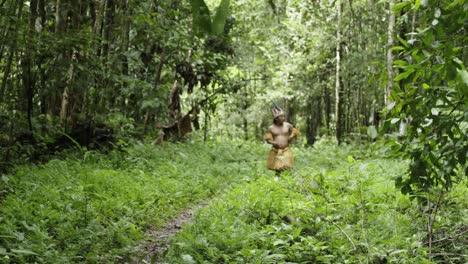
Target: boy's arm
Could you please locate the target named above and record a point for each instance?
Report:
(293, 132)
(269, 138)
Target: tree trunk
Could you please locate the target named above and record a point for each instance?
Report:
(71, 98)
(390, 33)
(108, 26)
(314, 120)
(41, 71)
(55, 102)
(338, 103)
(157, 80)
(125, 46)
(291, 113)
(26, 97)
(11, 51)
(98, 14)
(7, 29)
(196, 116)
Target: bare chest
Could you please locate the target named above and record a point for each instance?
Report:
(280, 130)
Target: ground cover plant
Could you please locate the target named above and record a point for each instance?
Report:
(339, 205)
(77, 76)
(96, 208)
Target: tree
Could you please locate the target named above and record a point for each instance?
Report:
(430, 95)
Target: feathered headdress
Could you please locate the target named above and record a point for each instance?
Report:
(276, 111)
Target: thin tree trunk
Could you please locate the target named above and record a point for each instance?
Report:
(314, 120)
(157, 80)
(54, 97)
(68, 94)
(338, 102)
(125, 46)
(11, 52)
(390, 33)
(108, 26)
(40, 60)
(60, 19)
(60, 27)
(26, 98)
(6, 30)
(98, 21)
(71, 98)
(207, 123)
(328, 108)
(6, 72)
(291, 111)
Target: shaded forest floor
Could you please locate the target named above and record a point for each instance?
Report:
(338, 205)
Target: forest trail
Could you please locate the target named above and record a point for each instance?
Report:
(157, 243)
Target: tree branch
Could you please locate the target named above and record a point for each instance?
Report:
(450, 238)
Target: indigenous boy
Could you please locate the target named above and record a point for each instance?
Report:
(279, 135)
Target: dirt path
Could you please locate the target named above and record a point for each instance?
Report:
(153, 248)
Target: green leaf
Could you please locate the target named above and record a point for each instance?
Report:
(396, 8)
(403, 75)
(402, 41)
(400, 63)
(464, 75)
(463, 86)
(398, 48)
(454, 4)
(279, 242)
(201, 17)
(395, 120)
(23, 252)
(417, 4)
(220, 18)
(372, 132)
(5, 179)
(457, 60)
(391, 105)
(275, 257)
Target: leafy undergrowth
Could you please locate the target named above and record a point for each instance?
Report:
(96, 208)
(339, 205)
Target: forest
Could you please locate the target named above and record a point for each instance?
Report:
(142, 131)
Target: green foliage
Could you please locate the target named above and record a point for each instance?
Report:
(95, 209)
(333, 208)
(430, 95)
(202, 22)
(201, 17)
(219, 20)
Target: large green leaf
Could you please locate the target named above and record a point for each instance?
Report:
(396, 8)
(372, 132)
(463, 87)
(201, 17)
(219, 20)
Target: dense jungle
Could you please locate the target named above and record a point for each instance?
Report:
(222, 131)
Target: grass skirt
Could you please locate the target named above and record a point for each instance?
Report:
(280, 159)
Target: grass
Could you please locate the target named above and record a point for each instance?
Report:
(339, 205)
(96, 208)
